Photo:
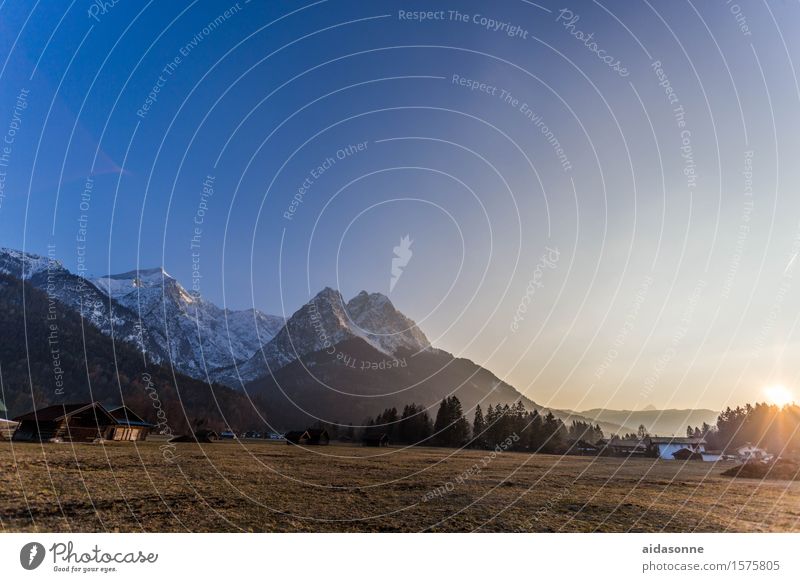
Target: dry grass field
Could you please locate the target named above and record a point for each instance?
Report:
(263, 486)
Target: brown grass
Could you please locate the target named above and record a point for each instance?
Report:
(264, 486)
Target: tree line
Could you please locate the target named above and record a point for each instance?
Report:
(771, 427)
(534, 431)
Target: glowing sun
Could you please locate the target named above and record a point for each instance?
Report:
(778, 394)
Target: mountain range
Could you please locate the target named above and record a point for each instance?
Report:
(331, 360)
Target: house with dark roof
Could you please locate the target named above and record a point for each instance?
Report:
(82, 422)
(667, 447)
(624, 447)
(310, 436)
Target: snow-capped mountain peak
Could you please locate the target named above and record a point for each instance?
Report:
(327, 320)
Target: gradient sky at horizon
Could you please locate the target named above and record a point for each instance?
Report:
(667, 291)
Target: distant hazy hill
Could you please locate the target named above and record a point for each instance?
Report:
(658, 422)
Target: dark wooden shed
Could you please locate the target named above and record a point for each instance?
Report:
(83, 422)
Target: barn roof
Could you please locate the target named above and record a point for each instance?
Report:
(625, 443)
(125, 415)
(59, 411)
(678, 440)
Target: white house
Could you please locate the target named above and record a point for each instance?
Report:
(666, 447)
(750, 452)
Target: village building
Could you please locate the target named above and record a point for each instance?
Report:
(750, 452)
(318, 436)
(582, 447)
(625, 447)
(84, 422)
(310, 436)
(668, 447)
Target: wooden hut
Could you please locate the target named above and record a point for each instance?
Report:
(297, 437)
(310, 436)
(68, 422)
(318, 436)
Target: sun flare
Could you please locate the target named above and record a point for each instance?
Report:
(778, 394)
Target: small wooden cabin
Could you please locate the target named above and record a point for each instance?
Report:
(69, 422)
(318, 436)
(310, 436)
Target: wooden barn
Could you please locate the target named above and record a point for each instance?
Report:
(310, 436)
(375, 440)
(318, 436)
(84, 422)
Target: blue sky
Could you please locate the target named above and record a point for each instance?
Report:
(673, 284)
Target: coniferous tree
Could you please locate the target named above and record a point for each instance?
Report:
(478, 429)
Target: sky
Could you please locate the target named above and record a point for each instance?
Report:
(601, 197)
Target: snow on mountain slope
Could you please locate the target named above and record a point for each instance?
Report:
(77, 293)
(374, 316)
(194, 333)
(326, 321)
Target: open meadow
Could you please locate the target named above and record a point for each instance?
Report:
(265, 486)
